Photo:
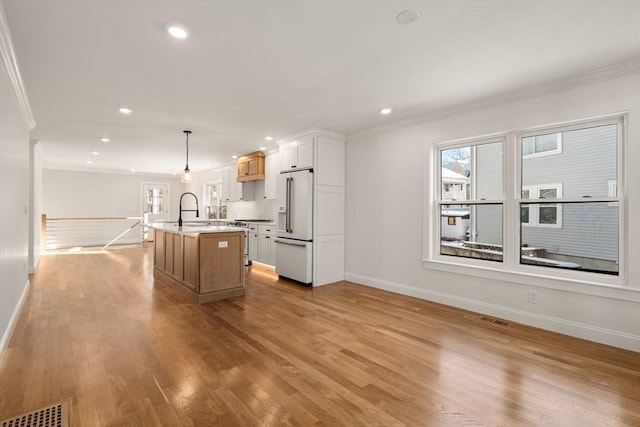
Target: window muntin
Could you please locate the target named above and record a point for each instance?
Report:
(586, 174)
(154, 201)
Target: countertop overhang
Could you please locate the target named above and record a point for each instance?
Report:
(193, 229)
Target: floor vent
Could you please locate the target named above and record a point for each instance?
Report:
(495, 321)
(52, 416)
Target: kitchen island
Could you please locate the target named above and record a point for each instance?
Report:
(202, 261)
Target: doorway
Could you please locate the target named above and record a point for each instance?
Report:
(155, 206)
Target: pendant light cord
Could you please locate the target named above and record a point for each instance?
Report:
(187, 132)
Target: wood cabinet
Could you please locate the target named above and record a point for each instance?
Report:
(221, 262)
(297, 154)
(206, 266)
(158, 249)
(168, 253)
(178, 258)
(191, 263)
(250, 167)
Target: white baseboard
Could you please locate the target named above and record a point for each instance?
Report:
(12, 321)
(34, 267)
(554, 324)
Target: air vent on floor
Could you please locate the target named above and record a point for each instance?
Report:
(495, 321)
(52, 416)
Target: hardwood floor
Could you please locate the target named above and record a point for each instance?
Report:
(130, 351)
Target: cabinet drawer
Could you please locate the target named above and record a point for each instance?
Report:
(269, 230)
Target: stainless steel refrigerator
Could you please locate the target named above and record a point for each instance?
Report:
(295, 226)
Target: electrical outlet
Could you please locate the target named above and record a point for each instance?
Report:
(533, 297)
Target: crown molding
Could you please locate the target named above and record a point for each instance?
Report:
(612, 72)
(317, 131)
(110, 172)
(10, 61)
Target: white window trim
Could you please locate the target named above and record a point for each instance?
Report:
(534, 205)
(612, 191)
(558, 149)
(510, 269)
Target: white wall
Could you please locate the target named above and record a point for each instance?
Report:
(384, 228)
(14, 196)
(96, 194)
(35, 206)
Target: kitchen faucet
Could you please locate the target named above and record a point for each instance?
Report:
(187, 210)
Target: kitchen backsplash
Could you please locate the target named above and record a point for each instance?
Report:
(260, 208)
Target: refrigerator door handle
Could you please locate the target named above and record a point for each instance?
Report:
(288, 213)
(302, 245)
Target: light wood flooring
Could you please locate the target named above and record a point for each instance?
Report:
(130, 351)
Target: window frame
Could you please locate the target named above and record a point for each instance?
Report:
(436, 196)
(510, 268)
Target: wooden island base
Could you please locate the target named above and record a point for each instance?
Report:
(204, 266)
(193, 296)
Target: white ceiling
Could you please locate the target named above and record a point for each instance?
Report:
(257, 68)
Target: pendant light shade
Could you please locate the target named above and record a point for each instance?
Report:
(186, 176)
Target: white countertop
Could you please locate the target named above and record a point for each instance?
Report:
(192, 228)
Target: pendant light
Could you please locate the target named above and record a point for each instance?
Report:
(186, 176)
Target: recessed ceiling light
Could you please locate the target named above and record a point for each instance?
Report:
(234, 157)
(263, 148)
(95, 153)
(385, 110)
(406, 17)
(89, 162)
(268, 138)
(125, 110)
(177, 31)
(104, 139)
(133, 170)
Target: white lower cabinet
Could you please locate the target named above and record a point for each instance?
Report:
(253, 246)
(262, 246)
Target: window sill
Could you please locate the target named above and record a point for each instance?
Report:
(610, 287)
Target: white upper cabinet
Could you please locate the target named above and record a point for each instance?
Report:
(297, 154)
(233, 191)
(270, 175)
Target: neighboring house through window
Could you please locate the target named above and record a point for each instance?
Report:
(542, 145)
(541, 214)
(574, 167)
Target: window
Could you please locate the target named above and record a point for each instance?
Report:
(154, 200)
(541, 215)
(471, 228)
(215, 208)
(550, 215)
(542, 145)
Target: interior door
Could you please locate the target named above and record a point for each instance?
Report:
(155, 206)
